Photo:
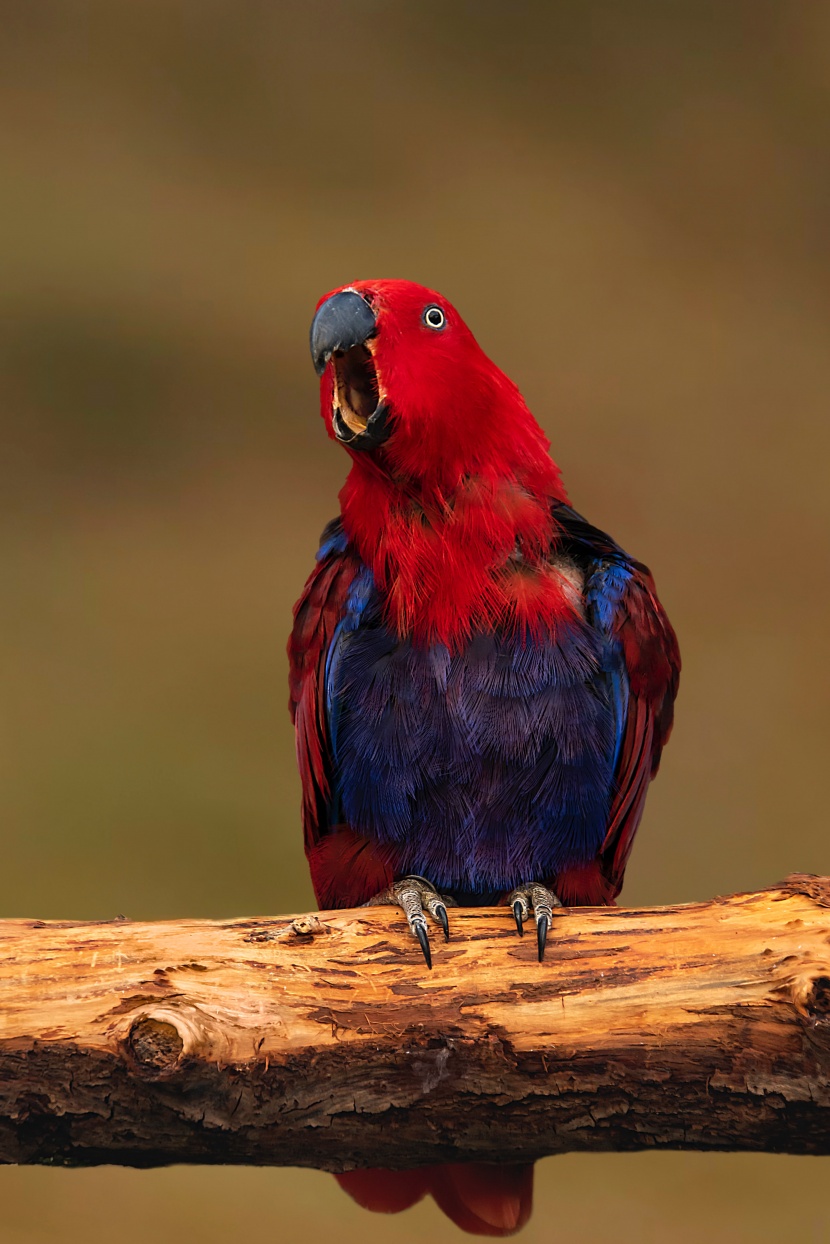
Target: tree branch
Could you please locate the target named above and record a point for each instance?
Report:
(324, 1041)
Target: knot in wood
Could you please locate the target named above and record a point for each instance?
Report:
(155, 1044)
(161, 1040)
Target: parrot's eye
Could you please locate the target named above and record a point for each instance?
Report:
(434, 318)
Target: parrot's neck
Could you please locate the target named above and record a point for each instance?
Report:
(451, 561)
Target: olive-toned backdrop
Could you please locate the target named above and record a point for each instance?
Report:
(629, 204)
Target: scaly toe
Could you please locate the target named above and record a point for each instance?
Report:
(539, 899)
(413, 895)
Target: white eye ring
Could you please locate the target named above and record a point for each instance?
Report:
(434, 318)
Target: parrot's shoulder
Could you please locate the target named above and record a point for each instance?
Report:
(613, 580)
(322, 605)
(333, 540)
(622, 602)
(577, 538)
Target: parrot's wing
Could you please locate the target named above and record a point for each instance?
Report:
(622, 603)
(316, 617)
(346, 869)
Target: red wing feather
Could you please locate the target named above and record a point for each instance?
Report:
(316, 615)
(652, 661)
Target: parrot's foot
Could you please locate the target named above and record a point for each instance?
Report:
(412, 895)
(542, 901)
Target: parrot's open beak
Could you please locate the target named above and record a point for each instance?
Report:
(341, 332)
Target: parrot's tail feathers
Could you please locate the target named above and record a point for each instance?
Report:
(480, 1198)
(484, 1199)
(386, 1192)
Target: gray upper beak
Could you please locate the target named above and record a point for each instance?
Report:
(343, 321)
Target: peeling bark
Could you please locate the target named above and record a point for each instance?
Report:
(324, 1041)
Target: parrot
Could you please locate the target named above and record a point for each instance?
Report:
(481, 681)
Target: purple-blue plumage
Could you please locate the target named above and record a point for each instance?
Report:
(478, 769)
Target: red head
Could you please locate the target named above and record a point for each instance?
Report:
(443, 445)
(402, 371)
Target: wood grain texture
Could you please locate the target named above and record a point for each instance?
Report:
(323, 1040)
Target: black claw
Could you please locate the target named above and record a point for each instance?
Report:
(441, 913)
(542, 925)
(423, 938)
(517, 912)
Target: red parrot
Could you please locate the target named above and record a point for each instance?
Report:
(481, 681)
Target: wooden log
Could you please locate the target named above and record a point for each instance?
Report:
(324, 1041)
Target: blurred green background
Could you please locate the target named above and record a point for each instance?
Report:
(629, 203)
